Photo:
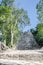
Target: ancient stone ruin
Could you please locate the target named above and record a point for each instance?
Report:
(26, 42)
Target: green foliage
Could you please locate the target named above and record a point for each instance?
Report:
(40, 10)
(38, 34)
(7, 3)
(6, 13)
(21, 17)
(10, 18)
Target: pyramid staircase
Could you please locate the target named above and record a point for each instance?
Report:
(17, 57)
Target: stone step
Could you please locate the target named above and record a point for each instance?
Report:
(23, 55)
(18, 62)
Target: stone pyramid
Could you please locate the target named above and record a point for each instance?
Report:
(26, 42)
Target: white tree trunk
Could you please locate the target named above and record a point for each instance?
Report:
(12, 34)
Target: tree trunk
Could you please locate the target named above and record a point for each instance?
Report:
(12, 36)
(8, 38)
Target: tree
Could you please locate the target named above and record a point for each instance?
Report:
(8, 3)
(4, 20)
(39, 28)
(20, 18)
(39, 8)
(11, 18)
(39, 35)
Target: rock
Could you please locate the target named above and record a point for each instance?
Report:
(26, 42)
(42, 48)
(2, 46)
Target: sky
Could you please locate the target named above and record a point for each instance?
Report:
(30, 7)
